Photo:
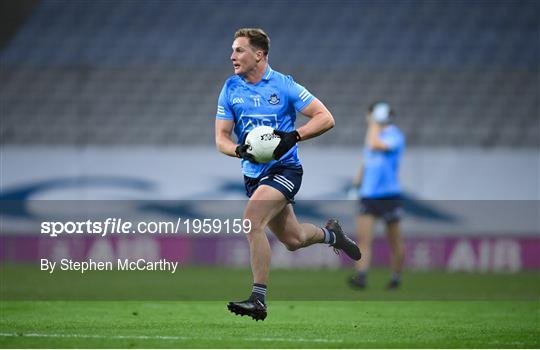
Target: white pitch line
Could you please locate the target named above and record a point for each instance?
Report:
(315, 340)
(94, 336)
(158, 337)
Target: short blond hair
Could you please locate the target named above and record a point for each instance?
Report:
(257, 38)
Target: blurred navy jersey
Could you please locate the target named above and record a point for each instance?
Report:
(381, 168)
(273, 101)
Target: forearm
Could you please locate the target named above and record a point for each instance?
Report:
(373, 137)
(373, 132)
(226, 146)
(317, 125)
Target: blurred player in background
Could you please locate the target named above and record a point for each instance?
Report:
(257, 95)
(377, 183)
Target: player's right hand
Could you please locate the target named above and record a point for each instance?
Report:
(242, 152)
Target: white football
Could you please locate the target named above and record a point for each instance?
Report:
(262, 142)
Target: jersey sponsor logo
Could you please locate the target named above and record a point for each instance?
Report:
(220, 110)
(237, 100)
(250, 121)
(274, 99)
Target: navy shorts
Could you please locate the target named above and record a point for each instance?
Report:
(387, 208)
(285, 179)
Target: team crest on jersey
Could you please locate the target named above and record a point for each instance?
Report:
(274, 99)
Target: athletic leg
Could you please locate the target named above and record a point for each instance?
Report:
(397, 252)
(295, 235)
(364, 230)
(263, 205)
(291, 233)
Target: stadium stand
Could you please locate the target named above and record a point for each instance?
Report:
(460, 73)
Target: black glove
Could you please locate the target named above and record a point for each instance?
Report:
(242, 152)
(288, 140)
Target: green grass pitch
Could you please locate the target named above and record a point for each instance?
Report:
(432, 310)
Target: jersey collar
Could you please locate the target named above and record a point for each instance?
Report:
(266, 77)
(267, 73)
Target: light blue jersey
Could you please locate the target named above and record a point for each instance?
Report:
(273, 101)
(381, 168)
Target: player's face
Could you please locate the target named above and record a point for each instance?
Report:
(243, 57)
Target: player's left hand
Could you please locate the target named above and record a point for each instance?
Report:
(288, 140)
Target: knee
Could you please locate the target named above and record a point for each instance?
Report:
(255, 224)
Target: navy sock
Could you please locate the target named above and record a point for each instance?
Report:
(362, 275)
(329, 236)
(258, 291)
(396, 276)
